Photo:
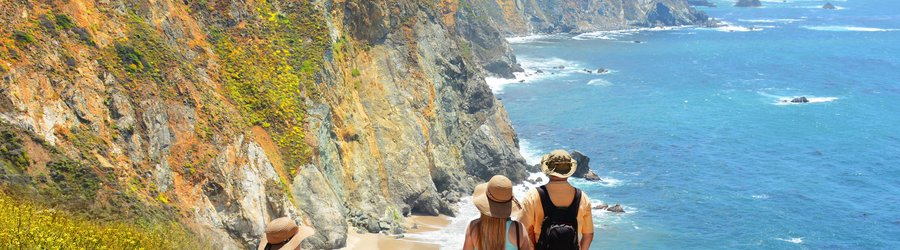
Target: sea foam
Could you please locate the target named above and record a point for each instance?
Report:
(798, 240)
(787, 100)
(536, 69)
(847, 29)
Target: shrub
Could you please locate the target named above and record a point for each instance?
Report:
(23, 36)
(355, 73)
(131, 58)
(25, 225)
(64, 22)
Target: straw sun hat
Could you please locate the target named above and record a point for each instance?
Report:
(495, 198)
(283, 233)
(558, 163)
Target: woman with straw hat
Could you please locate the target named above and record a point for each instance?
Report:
(284, 234)
(495, 230)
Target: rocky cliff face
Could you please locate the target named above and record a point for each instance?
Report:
(224, 114)
(521, 17)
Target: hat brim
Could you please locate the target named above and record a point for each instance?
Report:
(491, 208)
(548, 171)
(303, 232)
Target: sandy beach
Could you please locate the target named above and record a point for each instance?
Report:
(414, 224)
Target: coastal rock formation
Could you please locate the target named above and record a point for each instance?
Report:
(801, 99)
(584, 164)
(828, 6)
(601, 206)
(748, 3)
(616, 209)
(591, 176)
(578, 16)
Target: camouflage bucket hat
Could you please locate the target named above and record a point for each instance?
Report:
(558, 163)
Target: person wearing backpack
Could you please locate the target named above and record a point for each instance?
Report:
(496, 230)
(556, 214)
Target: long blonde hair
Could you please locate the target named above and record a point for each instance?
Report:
(491, 233)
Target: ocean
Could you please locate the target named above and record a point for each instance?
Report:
(690, 130)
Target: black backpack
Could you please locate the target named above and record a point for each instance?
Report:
(559, 231)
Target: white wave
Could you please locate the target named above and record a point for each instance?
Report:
(617, 34)
(531, 154)
(819, 7)
(760, 196)
(600, 82)
(729, 27)
(787, 100)
(605, 181)
(777, 20)
(532, 38)
(536, 69)
(798, 240)
(847, 29)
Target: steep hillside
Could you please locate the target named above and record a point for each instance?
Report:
(223, 114)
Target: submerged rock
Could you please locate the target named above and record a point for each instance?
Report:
(616, 209)
(748, 3)
(602, 71)
(828, 6)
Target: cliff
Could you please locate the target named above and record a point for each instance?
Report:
(522, 17)
(222, 114)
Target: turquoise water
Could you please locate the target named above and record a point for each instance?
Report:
(689, 131)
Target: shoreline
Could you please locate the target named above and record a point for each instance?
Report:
(417, 224)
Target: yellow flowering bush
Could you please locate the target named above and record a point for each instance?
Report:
(26, 226)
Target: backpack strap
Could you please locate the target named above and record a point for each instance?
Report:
(546, 203)
(572, 211)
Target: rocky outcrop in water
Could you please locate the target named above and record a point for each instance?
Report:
(748, 3)
(828, 6)
(616, 209)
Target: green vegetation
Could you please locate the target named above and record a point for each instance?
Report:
(132, 59)
(73, 181)
(64, 22)
(271, 80)
(355, 73)
(26, 226)
(23, 37)
(12, 152)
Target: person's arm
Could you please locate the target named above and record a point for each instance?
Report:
(586, 240)
(587, 230)
(524, 241)
(469, 243)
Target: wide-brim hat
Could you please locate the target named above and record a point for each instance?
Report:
(283, 233)
(558, 163)
(495, 198)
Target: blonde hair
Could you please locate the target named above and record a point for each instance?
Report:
(491, 233)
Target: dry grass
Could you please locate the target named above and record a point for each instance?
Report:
(26, 226)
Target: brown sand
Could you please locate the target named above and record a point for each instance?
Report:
(379, 241)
